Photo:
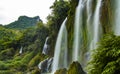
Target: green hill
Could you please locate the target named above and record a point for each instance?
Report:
(24, 22)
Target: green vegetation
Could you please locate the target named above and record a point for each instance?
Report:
(32, 41)
(29, 34)
(8, 38)
(105, 59)
(59, 13)
(70, 25)
(23, 22)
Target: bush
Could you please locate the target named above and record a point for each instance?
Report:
(35, 61)
(106, 58)
(6, 72)
(7, 54)
(3, 66)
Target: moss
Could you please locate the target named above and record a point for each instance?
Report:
(70, 25)
(61, 71)
(75, 68)
(107, 17)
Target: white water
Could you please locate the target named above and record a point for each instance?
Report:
(60, 54)
(21, 49)
(45, 64)
(117, 18)
(89, 17)
(45, 48)
(89, 11)
(96, 25)
(89, 28)
(77, 30)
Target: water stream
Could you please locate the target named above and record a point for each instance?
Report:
(77, 31)
(46, 47)
(60, 54)
(97, 26)
(117, 18)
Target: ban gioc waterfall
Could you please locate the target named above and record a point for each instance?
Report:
(80, 37)
(89, 29)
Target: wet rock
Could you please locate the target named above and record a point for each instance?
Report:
(61, 71)
(75, 68)
(45, 65)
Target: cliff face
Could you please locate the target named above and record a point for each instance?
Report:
(106, 20)
(107, 15)
(70, 25)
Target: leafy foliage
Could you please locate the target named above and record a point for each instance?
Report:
(59, 13)
(32, 41)
(106, 58)
(9, 38)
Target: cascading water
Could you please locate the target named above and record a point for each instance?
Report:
(89, 16)
(46, 47)
(117, 18)
(77, 30)
(96, 24)
(92, 25)
(21, 50)
(89, 11)
(89, 28)
(60, 54)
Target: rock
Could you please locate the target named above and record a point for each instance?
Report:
(75, 68)
(49, 64)
(61, 71)
(45, 65)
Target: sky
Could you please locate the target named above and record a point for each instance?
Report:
(10, 10)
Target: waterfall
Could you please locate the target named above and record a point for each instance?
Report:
(21, 50)
(60, 54)
(89, 11)
(117, 18)
(77, 30)
(45, 65)
(89, 28)
(46, 47)
(89, 16)
(96, 25)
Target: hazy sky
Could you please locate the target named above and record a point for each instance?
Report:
(10, 10)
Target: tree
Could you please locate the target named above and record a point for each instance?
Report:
(59, 13)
